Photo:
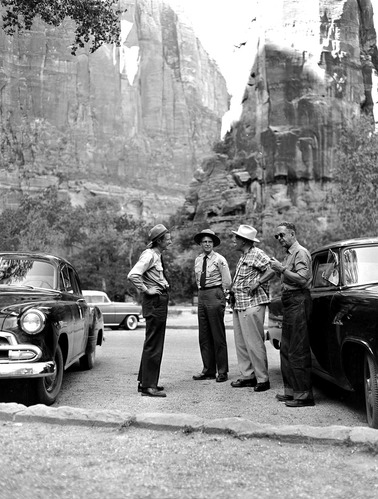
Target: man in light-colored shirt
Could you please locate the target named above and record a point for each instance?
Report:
(148, 276)
(250, 291)
(295, 353)
(213, 280)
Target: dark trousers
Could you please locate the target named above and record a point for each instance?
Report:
(155, 310)
(295, 345)
(212, 332)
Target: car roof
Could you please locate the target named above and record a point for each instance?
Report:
(33, 254)
(359, 241)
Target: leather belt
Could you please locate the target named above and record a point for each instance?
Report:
(210, 287)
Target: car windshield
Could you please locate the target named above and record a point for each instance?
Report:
(26, 272)
(96, 298)
(360, 265)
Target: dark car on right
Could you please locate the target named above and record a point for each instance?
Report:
(344, 321)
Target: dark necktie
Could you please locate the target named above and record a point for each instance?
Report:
(203, 273)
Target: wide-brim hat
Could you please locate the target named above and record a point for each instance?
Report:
(207, 232)
(247, 232)
(156, 232)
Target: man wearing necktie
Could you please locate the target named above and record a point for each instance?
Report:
(148, 276)
(213, 280)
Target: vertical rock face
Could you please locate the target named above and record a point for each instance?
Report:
(313, 71)
(133, 121)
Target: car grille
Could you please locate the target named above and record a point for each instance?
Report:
(12, 352)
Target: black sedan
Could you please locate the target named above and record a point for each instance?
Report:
(344, 321)
(45, 324)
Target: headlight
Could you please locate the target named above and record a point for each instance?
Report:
(33, 321)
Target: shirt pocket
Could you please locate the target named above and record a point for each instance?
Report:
(198, 269)
(159, 267)
(213, 270)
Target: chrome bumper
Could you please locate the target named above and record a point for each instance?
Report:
(27, 370)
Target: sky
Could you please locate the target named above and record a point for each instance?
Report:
(221, 25)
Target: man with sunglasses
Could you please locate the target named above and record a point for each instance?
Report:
(296, 277)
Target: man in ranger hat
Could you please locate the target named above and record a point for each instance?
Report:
(213, 280)
(250, 291)
(148, 276)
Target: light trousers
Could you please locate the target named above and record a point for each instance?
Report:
(250, 343)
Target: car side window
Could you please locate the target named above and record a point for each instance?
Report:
(65, 280)
(350, 267)
(326, 270)
(75, 286)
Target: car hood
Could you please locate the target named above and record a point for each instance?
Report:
(15, 299)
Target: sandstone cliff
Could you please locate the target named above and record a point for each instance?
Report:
(314, 68)
(132, 122)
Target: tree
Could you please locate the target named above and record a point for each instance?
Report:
(97, 21)
(356, 178)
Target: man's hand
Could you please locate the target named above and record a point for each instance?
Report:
(276, 265)
(153, 290)
(252, 288)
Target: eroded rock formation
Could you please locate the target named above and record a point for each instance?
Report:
(132, 122)
(313, 70)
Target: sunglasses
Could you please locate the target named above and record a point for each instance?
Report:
(280, 235)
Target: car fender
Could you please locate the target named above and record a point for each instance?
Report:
(353, 351)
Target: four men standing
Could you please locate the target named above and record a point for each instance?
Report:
(249, 293)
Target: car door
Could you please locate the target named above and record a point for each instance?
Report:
(78, 308)
(322, 328)
(83, 323)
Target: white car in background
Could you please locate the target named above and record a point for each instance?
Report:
(116, 315)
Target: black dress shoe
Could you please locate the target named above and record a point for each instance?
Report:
(241, 383)
(221, 378)
(201, 377)
(300, 403)
(262, 387)
(159, 388)
(284, 398)
(153, 392)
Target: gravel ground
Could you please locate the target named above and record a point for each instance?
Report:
(112, 383)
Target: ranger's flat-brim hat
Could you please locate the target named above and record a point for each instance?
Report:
(247, 232)
(207, 233)
(156, 232)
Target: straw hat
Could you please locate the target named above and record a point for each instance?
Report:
(247, 232)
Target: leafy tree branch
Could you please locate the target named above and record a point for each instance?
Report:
(97, 21)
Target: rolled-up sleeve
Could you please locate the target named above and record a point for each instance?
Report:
(225, 273)
(136, 273)
(303, 264)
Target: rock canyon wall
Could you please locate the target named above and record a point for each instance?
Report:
(133, 122)
(314, 68)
